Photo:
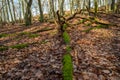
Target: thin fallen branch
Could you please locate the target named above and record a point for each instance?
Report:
(43, 30)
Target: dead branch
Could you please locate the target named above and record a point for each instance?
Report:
(43, 30)
(72, 16)
(61, 20)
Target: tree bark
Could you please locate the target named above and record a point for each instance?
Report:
(41, 19)
(28, 14)
(13, 6)
(61, 4)
(10, 11)
(113, 5)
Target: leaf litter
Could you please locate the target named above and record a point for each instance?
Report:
(96, 55)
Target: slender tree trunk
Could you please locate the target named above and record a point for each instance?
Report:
(89, 4)
(3, 10)
(78, 4)
(61, 4)
(20, 12)
(71, 6)
(52, 11)
(95, 7)
(1, 20)
(107, 7)
(23, 8)
(10, 11)
(7, 14)
(113, 5)
(28, 14)
(41, 19)
(13, 9)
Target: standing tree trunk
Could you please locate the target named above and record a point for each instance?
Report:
(3, 10)
(113, 5)
(117, 7)
(95, 7)
(78, 4)
(20, 12)
(71, 6)
(7, 13)
(89, 6)
(10, 11)
(52, 11)
(23, 8)
(28, 14)
(61, 4)
(13, 10)
(41, 19)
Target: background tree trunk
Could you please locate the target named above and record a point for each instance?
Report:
(113, 5)
(28, 14)
(10, 11)
(41, 19)
(61, 5)
(13, 6)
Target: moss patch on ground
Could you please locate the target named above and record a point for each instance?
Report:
(23, 33)
(68, 49)
(19, 46)
(65, 27)
(88, 24)
(3, 35)
(101, 26)
(33, 35)
(3, 48)
(67, 67)
(83, 20)
(97, 27)
(66, 37)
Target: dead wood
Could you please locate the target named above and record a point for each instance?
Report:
(73, 16)
(61, 20)
(43, 30)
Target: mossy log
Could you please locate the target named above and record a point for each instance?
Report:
(44, 29)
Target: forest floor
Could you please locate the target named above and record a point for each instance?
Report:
(95, 52)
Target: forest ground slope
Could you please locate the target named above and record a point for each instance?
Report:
(95, 51)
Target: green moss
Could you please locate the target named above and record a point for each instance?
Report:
(3, 35)
(65, 26)
(24, 33)
(92, 18)
(82, 21)
(46, 28)
(97, 27)
(88, 24)
(14, 34)
(88, 30)
(3, 48)
(67, 67)
(101, 26)
(66, 37)
(19, 46)
(96, 7)
(68, 49)
(33, 35)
